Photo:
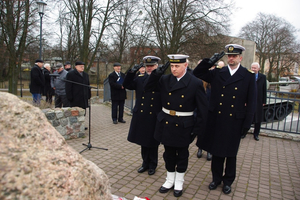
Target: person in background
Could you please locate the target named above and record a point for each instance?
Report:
(118, 93)
(261, 84)
(78, 95)
(181, 93)
(37, 81)
(67, 66)
(59, 85)
(147, 106)
(48, 91)
(231, 110)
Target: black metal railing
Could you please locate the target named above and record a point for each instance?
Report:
(281, 113)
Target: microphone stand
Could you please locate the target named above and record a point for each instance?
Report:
(89, 145)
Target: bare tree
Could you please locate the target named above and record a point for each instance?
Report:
(275, 43)
(16, 20)
(81, 15)
(176, 22)
(126, 18)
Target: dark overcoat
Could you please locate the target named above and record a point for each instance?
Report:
(261, 85)
(78, 95)
(231, 108)
(184, 95)
(116, 91)
(147, 106)
(37, 80)
(48, 90)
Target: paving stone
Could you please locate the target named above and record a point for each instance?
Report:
(266, 169)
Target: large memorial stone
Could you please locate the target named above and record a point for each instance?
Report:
(37, 163)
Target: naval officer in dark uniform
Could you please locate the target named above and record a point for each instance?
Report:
(181, 94)
(230, 112)
(147, 106)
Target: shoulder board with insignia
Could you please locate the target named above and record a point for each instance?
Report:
(250, 71)
(219, 67)
(141, 74)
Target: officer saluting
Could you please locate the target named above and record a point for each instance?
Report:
(181, 93)
(147, 106)
(230, 112)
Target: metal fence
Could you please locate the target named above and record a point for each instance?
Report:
(281, 113)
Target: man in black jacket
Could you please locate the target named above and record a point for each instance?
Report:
(118, 93)
(147, 106)
(181, 93)
(261, 84)
(230, 112)
(78, 95)
(37, 81)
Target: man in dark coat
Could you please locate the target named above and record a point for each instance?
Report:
(147, 106)
(181, 94)
(118, 93)
(48, 91)
(261, 84)
(78, 95)
(230, 113)
(37, 81)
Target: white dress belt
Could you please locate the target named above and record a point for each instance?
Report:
(177, 113)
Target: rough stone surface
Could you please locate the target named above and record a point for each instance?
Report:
(37, 163)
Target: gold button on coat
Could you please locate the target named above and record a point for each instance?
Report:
(182, 96)
(221, 104)
(142, 111)
(150, 113)
(170, 93)
(180, 106)
(235, 88)
(230, 115)
(176, 124)
(219, 112)
(167, 122)
(168, 103)
(222, 95)
(233, 97)
(232, 106)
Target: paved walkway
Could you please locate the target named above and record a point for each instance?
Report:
(267, 169)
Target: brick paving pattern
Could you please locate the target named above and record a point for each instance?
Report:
(267, 169)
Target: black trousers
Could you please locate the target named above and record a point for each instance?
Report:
(256, 128)
(176, 158)
(61, 101)
(217, 169)
(149, 156)
(114, 109)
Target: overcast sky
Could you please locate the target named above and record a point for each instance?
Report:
(247, 11)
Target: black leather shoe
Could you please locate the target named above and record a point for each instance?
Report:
(226, 189)
(122, 121)
(199, 153)
(115, 122)
(213, 185)
(256, 137)
(151, 171)
(177, 193)
(142, 169)
(164, 190)
(209, 156)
